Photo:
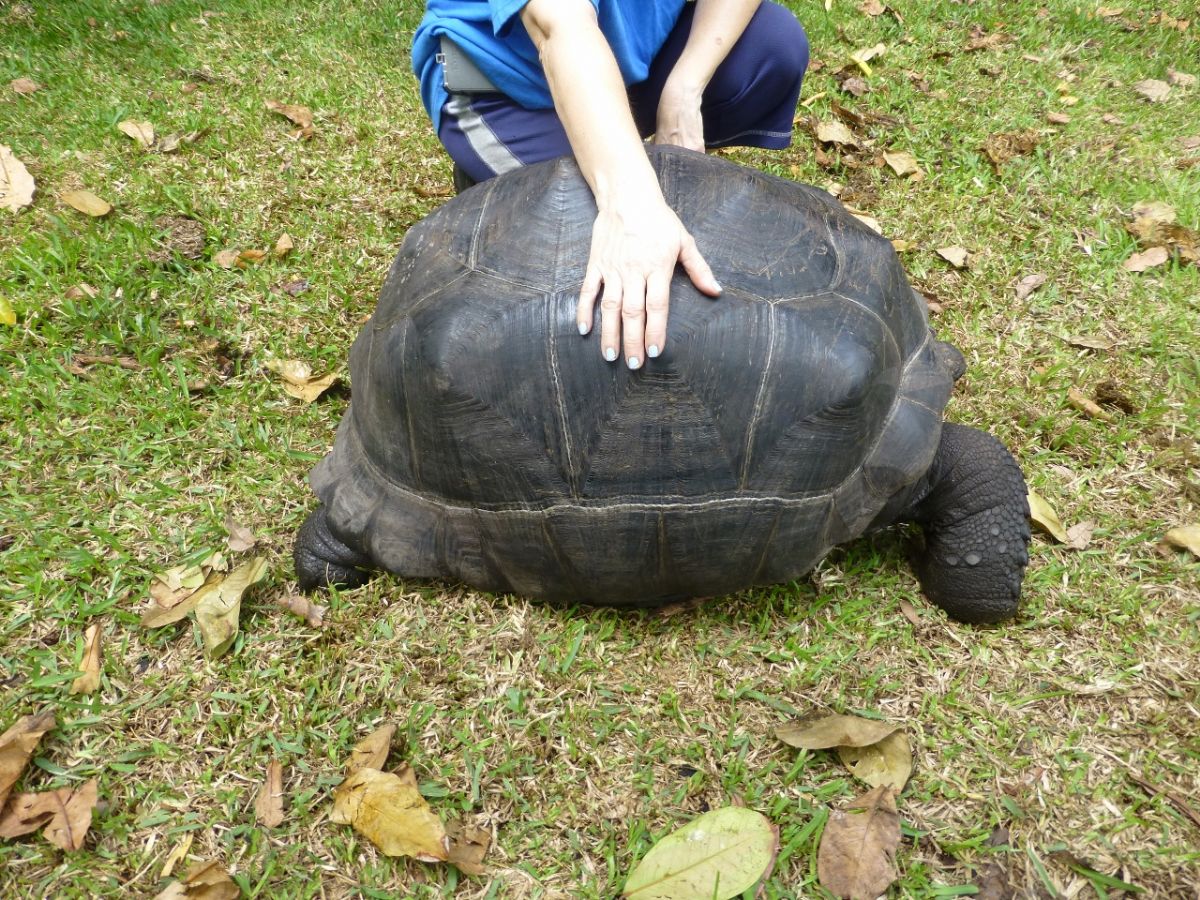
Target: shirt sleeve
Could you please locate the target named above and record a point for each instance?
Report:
(506, 14)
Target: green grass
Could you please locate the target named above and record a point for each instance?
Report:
(580, 736)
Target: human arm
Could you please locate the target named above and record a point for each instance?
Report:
(637, 239)
(716, 27)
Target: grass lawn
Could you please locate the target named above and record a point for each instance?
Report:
(580, 736)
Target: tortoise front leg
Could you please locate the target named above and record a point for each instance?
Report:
(322, 560)
(976, 522)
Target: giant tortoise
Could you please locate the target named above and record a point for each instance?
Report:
(488, 442)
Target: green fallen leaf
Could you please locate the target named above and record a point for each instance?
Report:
(716, 856)
(1045, 518)
(219, 605)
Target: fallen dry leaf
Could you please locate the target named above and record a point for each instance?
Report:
(1079, 536)
(1185, 537)
(956, 256)
(172, 142)
(87, 203)
(8, 315)
(1180, 79)
(304, 608)
(141, 132)
(902, 246)
(902, 163)
(1000, 148)
(283, 246)
(857, 856)
(1153, 90)
(298, 380)
(81, 290)
(872, 8)
(824, 732)
(205, 880)
(16, 184)
(24, 86)
(835, 133)
(226, 258)
(854, 86)
(1153, 224)
(1029, 284)
(1089, 342)
(1043, 515)
(1057, 118)
(1086, 405)
(1108, 12)
(861, 57)
(390, 812)
(90, 679)
(1147, 259)
(296, 287)
(241, 538)
(176, 856)
(64, 815)
(1168, 21)
(910, 612)
(17, 745)
(987, 41)
(219, 606)
(298, 115)
(268, 805)
(468, 846)
(888, 762)
(179, 582)
(372, 751)
(870, 221)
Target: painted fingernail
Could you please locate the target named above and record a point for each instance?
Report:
(610, 354)
(583, 327)
(634, 362)
(652, 351)
(718, 284)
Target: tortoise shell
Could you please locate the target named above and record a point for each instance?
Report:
(488, 442)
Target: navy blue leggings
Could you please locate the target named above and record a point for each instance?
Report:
(750, 101)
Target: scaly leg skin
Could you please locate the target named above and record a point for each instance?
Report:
(322, 560)
(975, 516)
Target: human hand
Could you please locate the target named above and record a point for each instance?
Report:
(679, 120)
(633, 255)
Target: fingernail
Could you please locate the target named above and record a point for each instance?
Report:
(583, 328)
(652, 351)
(718, 284)
(634, 362)
(610, 354)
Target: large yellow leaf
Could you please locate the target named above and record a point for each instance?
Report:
(391, 813)
(219, 606)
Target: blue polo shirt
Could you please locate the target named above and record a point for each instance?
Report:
(491, 33)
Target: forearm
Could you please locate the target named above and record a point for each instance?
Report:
(716, 27)
(590, 98)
